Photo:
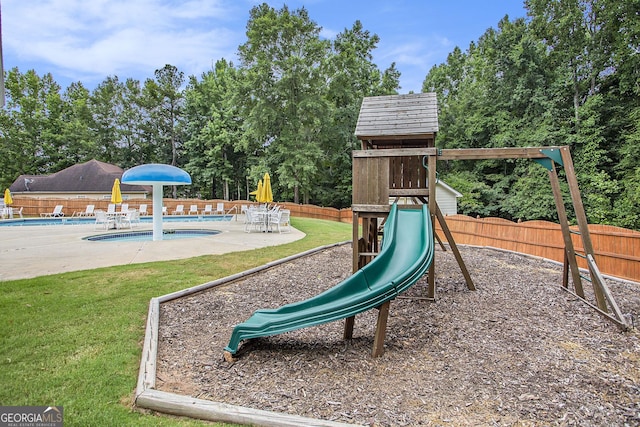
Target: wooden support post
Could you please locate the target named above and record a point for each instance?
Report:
(442, 246)
(454, 249)
(381, 330)
(581, 217)
(570, 254)
(565, 271)
(431, 292)
(354, 241)
(348, 327)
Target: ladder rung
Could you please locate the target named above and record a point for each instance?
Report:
(368, 253)
(580, 255)
(588, 279)
(575, 232)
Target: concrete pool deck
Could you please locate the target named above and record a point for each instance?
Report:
(31, 251)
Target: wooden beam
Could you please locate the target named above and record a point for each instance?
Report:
(493, 153)
(370, 208)
(408, 192)
(395, 152)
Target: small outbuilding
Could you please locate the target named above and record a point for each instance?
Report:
(89, 180)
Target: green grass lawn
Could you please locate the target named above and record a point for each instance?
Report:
(75, 339)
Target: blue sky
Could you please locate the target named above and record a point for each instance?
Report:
(88, 40)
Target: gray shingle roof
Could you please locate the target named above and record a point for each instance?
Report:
(92, 176)
(398, 115)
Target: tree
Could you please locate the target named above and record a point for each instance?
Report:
(283, 95)
(213, 126)
(351, 76)
(163, 99)
(78, 143)
(31, 125)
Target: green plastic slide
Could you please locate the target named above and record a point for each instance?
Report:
(406, 254)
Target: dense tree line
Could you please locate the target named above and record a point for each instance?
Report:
(289, 108)
(567, 74)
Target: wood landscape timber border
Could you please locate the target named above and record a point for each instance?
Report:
(149, 398)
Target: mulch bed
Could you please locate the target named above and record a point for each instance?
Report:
(517, 351)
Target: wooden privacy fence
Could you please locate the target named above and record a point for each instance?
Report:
(617, 250)
(33, 207)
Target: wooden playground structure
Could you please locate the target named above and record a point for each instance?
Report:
(398, 161)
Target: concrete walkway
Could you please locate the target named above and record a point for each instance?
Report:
(31, 251)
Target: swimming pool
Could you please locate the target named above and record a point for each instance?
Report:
(90, 220)
(144, 236)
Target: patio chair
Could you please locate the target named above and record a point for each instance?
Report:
(208, 210)
(255, 220)
(129, 219)
(103, 220)
(5, 211)
(179, 210)
(281, 220)
(220, 208)
(193, 210)
(143, 209)
(18, 211)
(124, 207)
(111, 208)
(57, 212)
(164, 210)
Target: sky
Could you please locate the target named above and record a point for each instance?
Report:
(89, 40)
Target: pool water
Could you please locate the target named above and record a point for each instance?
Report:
(144, 236)
(77, 221)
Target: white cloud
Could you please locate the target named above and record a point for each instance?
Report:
(115, 37)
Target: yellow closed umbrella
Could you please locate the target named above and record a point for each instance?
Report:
(258, 192)
(267, 194)
(7, 197)
(116, 195)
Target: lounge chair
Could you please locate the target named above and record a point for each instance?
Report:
(208, 210)
(143, 209)
(17, 211)
(164, 210)
(220, 208)
(179, 210)
(88, 211)
(111, 208)
(103, 220)
(57, 212)
(124, 207)
(193, 210)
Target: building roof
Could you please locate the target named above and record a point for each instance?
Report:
(92, 176)
(412, 115)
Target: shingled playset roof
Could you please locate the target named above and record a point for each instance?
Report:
(412, 116)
